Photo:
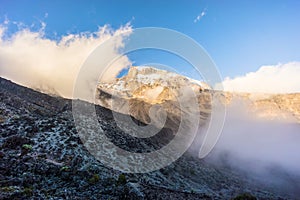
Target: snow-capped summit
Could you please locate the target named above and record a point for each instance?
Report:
(152, 85)
(146, 86)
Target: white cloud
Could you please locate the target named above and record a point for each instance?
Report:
(31, 59)
(6, 20)
(281, 78)
(202, 14)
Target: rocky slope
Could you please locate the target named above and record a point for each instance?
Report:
(42, 157)
(144, 87)
(281, 107)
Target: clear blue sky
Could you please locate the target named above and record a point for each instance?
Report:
(239, 35)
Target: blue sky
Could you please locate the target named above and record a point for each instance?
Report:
(240, 36)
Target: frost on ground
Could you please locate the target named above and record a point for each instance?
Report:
(42, 156)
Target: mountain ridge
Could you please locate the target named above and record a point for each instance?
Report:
(42, 156)
(160, 87)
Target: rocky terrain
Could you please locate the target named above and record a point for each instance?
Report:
(145, 86)
(43, 157)
(282, 107)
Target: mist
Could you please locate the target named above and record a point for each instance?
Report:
(259, 148)
(29, 58)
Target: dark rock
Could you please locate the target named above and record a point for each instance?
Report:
(59, 166)
(15, 142)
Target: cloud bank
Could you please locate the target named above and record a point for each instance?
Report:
(259, 149)
(29, 58)
(281, 78)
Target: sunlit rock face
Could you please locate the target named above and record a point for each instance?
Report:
(146, 90)
(274, 107)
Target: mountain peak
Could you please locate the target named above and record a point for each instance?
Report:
(145, 86)
(152, 85)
